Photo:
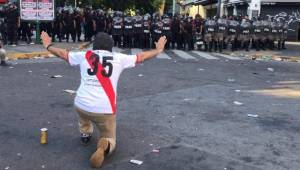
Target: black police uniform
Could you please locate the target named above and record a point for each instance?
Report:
(12, 17)
(117, 30)
(128, 32)
(138, 31)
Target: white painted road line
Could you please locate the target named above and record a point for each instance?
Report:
(184, 55)
(163, 56)
(227, 56)
(135, 51)
(205, 55)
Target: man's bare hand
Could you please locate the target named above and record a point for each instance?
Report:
(160, 45)
(45, 39)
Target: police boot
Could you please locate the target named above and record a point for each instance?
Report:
(233, 46)
(210, 46)
(246, 45)
(221, 46)
(283, 45)
(216, 45)
(205, 46)
(256, 43)
(279, 45)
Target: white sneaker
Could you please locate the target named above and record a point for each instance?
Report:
(14, 45)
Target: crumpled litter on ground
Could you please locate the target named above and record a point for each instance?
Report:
(238, 103)
(253, 115)
(57, 76)
(70, 91)
(137, 162)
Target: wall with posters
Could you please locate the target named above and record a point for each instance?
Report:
(42, 10)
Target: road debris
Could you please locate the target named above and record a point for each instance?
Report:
(201, 69)
(237, 91)
(231, 80)
(29, 71)
(138, 162)
(11, 67)
(141, 75)
(6, 168)
(69, 91)
(238, 103)
(187, 99)
(253, 115)
(56, 76)
(19, 154)
(155, 151)
(151, 144)
(43, 166)
(271, 69)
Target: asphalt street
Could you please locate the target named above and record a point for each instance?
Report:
(199, 112)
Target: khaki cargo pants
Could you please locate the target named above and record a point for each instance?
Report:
(106, 124)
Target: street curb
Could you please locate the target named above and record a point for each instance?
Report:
(39, 54)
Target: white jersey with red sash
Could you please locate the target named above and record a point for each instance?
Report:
(100, 72)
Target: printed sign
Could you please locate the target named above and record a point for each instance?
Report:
(41, 10)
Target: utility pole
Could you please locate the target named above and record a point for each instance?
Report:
(174, 7)
(219, 9)
(75, 4)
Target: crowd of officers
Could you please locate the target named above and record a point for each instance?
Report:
(141, 31)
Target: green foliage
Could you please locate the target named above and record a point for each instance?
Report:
(143, 5)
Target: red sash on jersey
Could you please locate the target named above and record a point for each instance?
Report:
(104, 81)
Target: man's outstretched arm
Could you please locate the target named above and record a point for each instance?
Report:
(160, 46)
(61, 53)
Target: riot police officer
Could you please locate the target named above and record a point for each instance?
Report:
(138, 29)
(182, 32)
(233, 26)
(100, 21)
(210, 29)
(58, 26)
(198, 27)
(13, 23)
(175, 31)
(166, 31)
(78, 21)
(128, 31)
(280, 34)
(146, 31)
(88, 24)
(157, 28)
(3, 31)
(117, 28)
(26, 32)
(188, 33)
(245, 34)
(221, 32)
(256, 33)
(70, 24)
(273, 34)
(266, 33)
(285, 34)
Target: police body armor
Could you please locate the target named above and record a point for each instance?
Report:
(210, 26)
(285, 29)
(117, 26)
(280, 28)
(198, 25)
(222, 25)
(233, 27)
(146, 25)
(166, 26)
(158, 27)
(245, 28)
(138, 24)
(257, 27)
(274, 28)
(266, 27)
(128, 26)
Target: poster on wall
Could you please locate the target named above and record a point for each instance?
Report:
(37, 10)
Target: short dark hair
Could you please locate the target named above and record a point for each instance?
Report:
(103, 41)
